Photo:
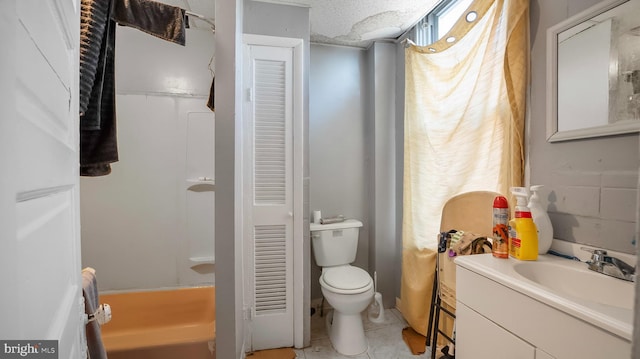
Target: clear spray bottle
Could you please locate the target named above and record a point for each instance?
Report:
(542, 221)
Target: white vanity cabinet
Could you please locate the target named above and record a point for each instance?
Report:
(500, 315)
(478, 337)
(483, 338)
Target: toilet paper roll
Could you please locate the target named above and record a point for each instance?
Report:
(336, 219)
(317, 215)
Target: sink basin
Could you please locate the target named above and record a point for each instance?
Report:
(576, 280)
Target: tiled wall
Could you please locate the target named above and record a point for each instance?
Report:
(596, 209)
(590, 184)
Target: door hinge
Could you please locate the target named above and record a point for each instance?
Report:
(83, 337)
(248, 313)
(250, 94)
(83, 315)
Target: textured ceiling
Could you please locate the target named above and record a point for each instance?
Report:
(340, 22)
(358, 22)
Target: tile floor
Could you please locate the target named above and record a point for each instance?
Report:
(385, 339)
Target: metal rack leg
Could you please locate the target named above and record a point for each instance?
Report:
(435, 331)
(431, 310)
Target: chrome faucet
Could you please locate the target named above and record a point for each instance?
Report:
(602, 263)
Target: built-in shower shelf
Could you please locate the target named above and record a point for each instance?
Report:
(202, 181)
(202, 260)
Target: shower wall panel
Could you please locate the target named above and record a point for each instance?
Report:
(150, 223)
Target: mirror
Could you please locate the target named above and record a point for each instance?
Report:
(593, 72)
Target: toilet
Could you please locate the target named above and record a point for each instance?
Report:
(348, 289)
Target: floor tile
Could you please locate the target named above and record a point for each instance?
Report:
(387, 343)
(299, 353)
(385, 339)
(318, 326)
(322, 349)
(389, 319)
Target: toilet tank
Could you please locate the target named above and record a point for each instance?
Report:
(336, 243)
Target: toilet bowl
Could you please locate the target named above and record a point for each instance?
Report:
(349, 290)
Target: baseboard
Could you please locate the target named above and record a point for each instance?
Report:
(399, 304)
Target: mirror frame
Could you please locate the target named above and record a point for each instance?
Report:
(553, 135)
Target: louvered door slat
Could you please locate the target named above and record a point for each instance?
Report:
(270, 265)
(270, 132)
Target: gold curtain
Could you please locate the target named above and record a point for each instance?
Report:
(464, 130)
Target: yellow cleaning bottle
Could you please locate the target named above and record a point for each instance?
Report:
(523, 234)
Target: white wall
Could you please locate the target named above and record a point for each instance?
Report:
(136, 221)
(338, 161)
(352, 150)
(146, 64)
(590, 185)
(381, 140)
(230, 330)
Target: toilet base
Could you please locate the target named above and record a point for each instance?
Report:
(346, 333)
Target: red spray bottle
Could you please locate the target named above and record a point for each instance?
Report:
(500, 248)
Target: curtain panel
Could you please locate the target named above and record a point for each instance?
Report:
(464, 130)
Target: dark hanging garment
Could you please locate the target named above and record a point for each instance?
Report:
(210, 103)
(94, 21)
(164, 21)
(98, 135)
(98, 141)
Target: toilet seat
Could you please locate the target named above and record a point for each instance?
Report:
(346, 280)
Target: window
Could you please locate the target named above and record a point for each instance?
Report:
(439, 21)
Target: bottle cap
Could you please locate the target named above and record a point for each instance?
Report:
(500, 202)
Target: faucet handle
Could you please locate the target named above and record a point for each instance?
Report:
(596, 254)
(594, 251)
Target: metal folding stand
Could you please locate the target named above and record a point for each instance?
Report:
(436, 306)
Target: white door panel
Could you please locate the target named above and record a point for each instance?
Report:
(42, 21)
(269, 193)
(39, 210)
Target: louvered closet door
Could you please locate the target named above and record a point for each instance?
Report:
(270, 189)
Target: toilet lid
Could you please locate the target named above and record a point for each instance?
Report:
(346, 278)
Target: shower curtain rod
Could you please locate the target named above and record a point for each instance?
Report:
(207, 20)
(407, 42)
